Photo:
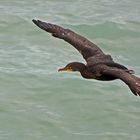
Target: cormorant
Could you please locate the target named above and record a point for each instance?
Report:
(99, 65)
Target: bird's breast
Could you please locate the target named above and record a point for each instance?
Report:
(87, 74)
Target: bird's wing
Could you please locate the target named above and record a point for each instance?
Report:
(132, 81)
(84, 46)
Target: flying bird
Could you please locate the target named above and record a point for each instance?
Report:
(99, 66)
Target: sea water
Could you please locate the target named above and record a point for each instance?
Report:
(37, 102)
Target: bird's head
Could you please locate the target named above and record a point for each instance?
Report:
(74, 66)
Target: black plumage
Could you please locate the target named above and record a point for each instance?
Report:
(99, 65)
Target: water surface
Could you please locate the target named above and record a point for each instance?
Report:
(37, 102)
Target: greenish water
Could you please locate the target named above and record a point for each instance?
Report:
(37, 102)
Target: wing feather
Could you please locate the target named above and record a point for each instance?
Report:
(83, 45)
(132, 81)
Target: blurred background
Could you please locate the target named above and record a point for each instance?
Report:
(37, 102)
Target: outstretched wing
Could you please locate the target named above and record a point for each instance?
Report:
(84, 46)
(132, 81)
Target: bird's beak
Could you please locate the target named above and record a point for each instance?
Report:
(61, 69)
(65, 69)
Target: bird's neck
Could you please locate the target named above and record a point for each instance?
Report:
(86, 73)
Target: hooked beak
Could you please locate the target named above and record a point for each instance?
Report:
(65, 69)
